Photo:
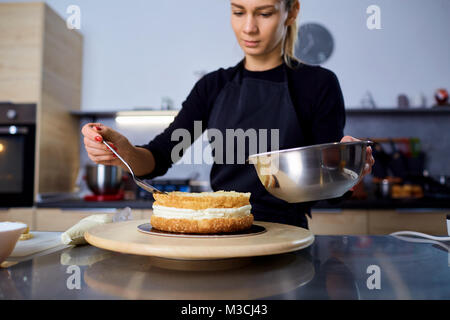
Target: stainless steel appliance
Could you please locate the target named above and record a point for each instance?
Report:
(17, 154)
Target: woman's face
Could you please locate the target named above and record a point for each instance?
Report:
(259, 25)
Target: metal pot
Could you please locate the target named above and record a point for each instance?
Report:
(104, 180)
(311, 173)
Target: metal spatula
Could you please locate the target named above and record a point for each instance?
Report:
(144, 185)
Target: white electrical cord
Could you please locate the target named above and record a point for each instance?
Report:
(409, 239)
(433, 239)
(419, 234)
(424, 235)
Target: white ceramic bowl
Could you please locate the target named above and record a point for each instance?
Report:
(9, 234)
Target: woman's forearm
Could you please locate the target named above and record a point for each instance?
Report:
(141, 161)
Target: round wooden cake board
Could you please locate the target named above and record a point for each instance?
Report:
(124, 237)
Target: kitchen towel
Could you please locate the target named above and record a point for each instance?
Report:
(75, 235)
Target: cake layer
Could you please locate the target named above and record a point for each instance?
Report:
(207, 213)
(205, 226)
(202, 200)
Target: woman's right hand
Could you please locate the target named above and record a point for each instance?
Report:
(94, 134)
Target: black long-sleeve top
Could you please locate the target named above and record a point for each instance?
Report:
(315, 92)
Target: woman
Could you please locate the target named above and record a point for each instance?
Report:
(268, 89)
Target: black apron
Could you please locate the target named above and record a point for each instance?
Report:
(248, 103)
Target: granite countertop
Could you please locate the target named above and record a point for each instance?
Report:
(334, 267)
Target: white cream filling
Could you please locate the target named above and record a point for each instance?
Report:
(209, 213)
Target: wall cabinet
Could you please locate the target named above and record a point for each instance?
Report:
(41, 63)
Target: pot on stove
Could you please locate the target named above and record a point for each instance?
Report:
(104, 180)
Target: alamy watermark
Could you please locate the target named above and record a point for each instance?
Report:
(236, 143)
(374, 280)
(374, 20)
(74, 280)
(74, 20)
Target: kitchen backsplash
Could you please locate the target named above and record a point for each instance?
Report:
(432, 130)
(142, 134)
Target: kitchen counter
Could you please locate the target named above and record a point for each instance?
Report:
(334, 267)
(369, 203)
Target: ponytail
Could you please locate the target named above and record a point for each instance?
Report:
(290, 40)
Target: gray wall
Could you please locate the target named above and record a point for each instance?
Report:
(138, 51)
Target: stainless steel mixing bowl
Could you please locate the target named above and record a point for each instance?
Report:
(311, 173)
(104, 180)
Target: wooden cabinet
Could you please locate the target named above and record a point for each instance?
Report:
(421, 220)
(49, 219)
(41, 63)
(323, 222)
(146, 214)
(339, 221)
(378, 222)
(25, 215)
(63, 219)
(59, 219)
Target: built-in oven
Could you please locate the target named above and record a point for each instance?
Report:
(17, 154)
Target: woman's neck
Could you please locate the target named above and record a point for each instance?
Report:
(263, 62)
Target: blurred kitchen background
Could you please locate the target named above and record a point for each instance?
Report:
(131, 64)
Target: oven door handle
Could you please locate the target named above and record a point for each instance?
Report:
(12, 130)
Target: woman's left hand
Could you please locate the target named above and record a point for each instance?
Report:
(369, 158)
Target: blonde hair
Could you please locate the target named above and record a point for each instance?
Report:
(290, 39)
